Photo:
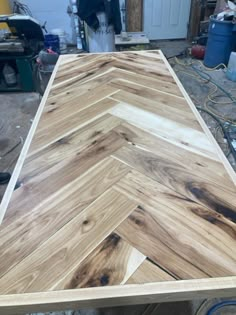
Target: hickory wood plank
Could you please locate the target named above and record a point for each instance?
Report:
(171, 131)
(60, 109)
(118, 296)
(152, 72)
(48, 183)
(47, 135)
(111, 263)
(156, 232)
(156, 84)
(67, 89)
(148, 272)
(149, 192)
(68, 146)
(150, 94)
(206, 168)
(46, 267)
(26, 234)
(83, 71)
(140, 62)
(187, 184)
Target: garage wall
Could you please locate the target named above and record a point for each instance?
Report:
(55, 13)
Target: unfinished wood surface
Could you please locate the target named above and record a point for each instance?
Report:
(134, 14)
(120, 183)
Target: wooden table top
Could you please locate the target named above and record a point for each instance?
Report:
(123, 190)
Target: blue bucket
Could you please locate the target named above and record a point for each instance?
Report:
(221, 42)
(53, 42)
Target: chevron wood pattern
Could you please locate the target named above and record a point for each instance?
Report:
(122, 185)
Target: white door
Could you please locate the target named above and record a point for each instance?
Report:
(166, 19)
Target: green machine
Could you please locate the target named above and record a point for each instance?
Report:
(19, 45)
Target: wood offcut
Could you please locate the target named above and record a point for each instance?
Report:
(122, 184)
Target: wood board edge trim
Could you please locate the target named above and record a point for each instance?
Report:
(15, 175)
(170, 291)
(221, 155)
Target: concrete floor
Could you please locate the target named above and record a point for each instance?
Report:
(18, 111)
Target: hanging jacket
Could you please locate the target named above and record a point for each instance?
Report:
(87, 11)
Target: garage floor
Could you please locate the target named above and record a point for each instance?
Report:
(18, 111)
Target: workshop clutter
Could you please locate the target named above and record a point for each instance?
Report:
(20, 42)
(228, 13)
(221, 42)
(62, 39)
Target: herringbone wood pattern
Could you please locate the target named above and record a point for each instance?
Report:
(121, 185)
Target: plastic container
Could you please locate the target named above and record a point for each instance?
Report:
(231, 71)
(62, 37)
(102, 40)
(221, 42)
(9, 75)
(53, 42)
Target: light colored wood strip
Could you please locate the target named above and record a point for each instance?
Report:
(148, 273)
(157, 108)
(118, 296)
(50, 264)
(25, 234)
(111, 263)
(168, 130)
(10, 188)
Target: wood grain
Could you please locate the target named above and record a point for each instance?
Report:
(45, 267)
(134, 15)
(120, 182)
(148, 272)
(112, 263)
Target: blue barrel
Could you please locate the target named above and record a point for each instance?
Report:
(53, 42)
(221, 42)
